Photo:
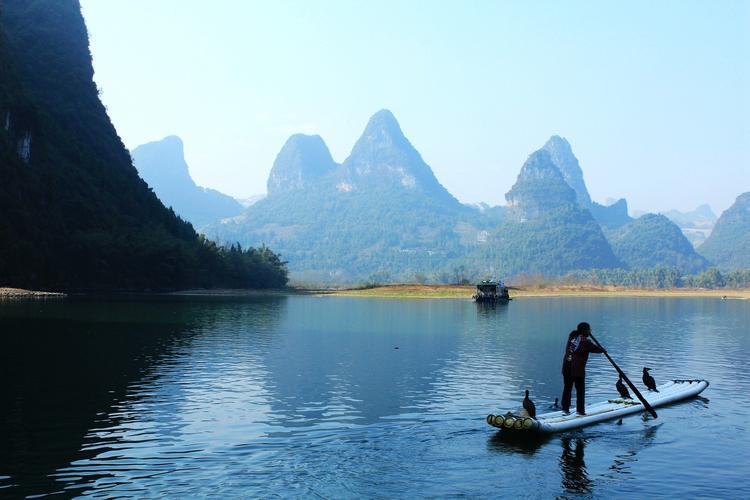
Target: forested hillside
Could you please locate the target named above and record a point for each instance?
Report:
(654, 241)
(75, 214)
(546, 230)
(728, 246)
(380, 213)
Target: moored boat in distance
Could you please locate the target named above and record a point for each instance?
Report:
(491, 291)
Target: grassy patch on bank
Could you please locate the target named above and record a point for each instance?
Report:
(409, 291)
(415, 291)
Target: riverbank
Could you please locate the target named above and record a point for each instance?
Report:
(466, 291)
(20, 293)
(416, 291)
(233, 292)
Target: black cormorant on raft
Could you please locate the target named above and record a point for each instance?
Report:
(491, 291)
(611, 409)
(624, 393)
(529, 405)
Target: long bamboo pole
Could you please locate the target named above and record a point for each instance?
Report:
(638, 394)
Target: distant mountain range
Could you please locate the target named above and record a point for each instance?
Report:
(700, 218)
(382, 214)
(162, 165)
(696, 224)
(76, 215)
(381, 211)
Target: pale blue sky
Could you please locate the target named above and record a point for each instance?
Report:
(653, 96)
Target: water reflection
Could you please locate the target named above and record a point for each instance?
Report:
(361, 362)
(574, 473)
(342, 397)
(69, 372)
(524, 443)
(575, 477)
(490, 309)
(56, 397)
(622, 462)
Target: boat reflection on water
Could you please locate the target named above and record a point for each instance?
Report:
(510, 442)
(490, 309)
(575, 477)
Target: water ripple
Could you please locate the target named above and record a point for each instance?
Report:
(304, 396)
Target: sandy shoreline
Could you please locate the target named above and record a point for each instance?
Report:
(465, 292)
(234, 292)
(20, 293)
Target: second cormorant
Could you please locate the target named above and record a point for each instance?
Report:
(622, 389)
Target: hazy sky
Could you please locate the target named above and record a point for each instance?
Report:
(654, 97)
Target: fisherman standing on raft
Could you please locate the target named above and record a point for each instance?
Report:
(574, 367)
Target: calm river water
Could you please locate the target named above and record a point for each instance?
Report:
(350, 397)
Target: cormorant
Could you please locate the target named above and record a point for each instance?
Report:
(622, 389)
(649, 380)
(529, 406)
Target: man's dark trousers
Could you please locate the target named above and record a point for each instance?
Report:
(580, 383)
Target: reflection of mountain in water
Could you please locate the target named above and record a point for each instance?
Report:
(59, 375)
(359, 361)
(185, 397)
(71, 370)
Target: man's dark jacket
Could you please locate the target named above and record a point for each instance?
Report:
(580, 356)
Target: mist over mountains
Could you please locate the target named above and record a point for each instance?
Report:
(701, 217)
(382, 215)
(162, 165)
(696, 224)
